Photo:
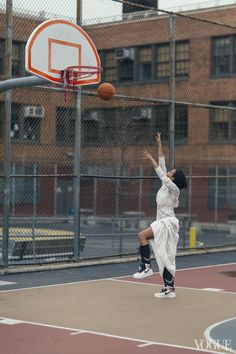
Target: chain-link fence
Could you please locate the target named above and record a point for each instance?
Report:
(173, 74)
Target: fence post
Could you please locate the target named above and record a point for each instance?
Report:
(77, 172)
(6, 138)
(55, 182)
(216, 195)
(190, 197)
(77, 159)
(95, 192)
(172, 22)
(34, 211)
(140, 194)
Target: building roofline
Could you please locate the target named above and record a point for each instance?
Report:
(151, 15)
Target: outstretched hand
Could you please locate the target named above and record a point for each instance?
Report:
(158, 137)
(147, 156)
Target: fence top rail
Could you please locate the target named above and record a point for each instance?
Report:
(114, 177)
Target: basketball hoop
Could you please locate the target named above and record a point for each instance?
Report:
(72, 76)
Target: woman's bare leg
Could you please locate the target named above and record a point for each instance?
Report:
(145, 235)
(145, 267)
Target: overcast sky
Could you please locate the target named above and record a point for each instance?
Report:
(92, 9)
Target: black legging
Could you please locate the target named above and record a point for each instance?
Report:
(168, 278)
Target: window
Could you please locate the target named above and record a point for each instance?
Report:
(108, 131)
(110, 66)
(1, 119)
(90, 127)
(181, 123)
(18, 59)
(1, 56)
(24, 190)
(126, 60)
(140, 126)
(222, 191)
(25, 123)
(223, 55)
(223, 123)
(182, 59)
(65, 126)
(26, 187)
(163, 63)
(145, 63)
(126, 68)
(161, 122)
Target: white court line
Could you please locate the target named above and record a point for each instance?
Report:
(145, 344)
(213, 289)
(54, 285)
(207, 334)
(161, 285)
(120, 337)
(2, 283)
(115, 277)
(192, 268)
(9, 321)
(75, 333)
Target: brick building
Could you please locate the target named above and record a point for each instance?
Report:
(135, 56)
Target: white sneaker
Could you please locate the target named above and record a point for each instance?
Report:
(144, 271)
(166, 293)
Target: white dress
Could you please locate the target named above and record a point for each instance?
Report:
(166, 226)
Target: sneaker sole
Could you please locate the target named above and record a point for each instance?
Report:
(145, 275)
(169, 296)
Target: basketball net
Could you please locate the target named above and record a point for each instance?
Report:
(73, 75)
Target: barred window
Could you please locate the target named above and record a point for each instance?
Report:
(18, 59)
(222, 123)
(108, 130)
(25, 123)
(182, 59)
(163, 64)
(1, 119)
(110, 66)
(65, 126)
(145, 63)
(126, 70)
(222, 191)
(223, 55)
(140, 125)
(26, 190)
(90, 127)
(1, 56)
(25, 186)
(161, 122)
(163, 61)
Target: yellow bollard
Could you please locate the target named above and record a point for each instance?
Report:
(192, 237)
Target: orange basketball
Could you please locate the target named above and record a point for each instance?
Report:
(106, 91)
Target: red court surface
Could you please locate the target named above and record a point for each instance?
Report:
(214, 277)
(26, 338)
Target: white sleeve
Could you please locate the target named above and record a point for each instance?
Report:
(162, 164)
(166, 180)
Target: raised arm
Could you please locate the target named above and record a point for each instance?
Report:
(159, 171)
(160, 154)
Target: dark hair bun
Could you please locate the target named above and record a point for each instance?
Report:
(180, 179)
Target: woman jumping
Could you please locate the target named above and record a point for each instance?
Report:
(162, 233)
